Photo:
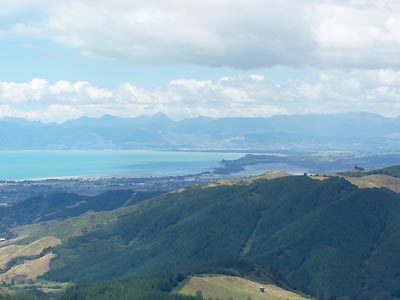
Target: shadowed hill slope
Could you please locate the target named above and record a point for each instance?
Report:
(60, 206)
(325, 237)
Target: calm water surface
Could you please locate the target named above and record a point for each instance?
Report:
(17, 165)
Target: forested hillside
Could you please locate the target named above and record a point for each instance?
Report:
(60, 206)
(326, 238)
(175, 285)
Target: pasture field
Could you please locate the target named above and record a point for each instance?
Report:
(230, 287)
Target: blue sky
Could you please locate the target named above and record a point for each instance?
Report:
(68, 58)
(24, 59)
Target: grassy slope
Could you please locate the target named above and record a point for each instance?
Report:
(23, 263)
(61, 206)
(377, 180)
(226, 287)
(249, 180)
(10, 252)
(393, 171)
(71, 227)
(29, 269)
(380, 178)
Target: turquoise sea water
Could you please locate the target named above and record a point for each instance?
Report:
(17, 165)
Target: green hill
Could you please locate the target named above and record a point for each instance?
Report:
(232, 287)
(325, 238)
(239, 279)
(393, 171)
(137, 288)
(377, 180)
(60, 206)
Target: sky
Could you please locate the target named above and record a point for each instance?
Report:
(65, 59)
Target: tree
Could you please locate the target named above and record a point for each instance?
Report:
(199, 295)
(383, 296)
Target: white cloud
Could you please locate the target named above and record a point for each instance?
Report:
(23, 92)
(357, 34)
(242, 96)
(352, 44)
(236, 33)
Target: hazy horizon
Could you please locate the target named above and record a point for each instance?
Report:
(198, 117)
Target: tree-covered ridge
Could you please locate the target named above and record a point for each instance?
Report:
(18, 296)
(326, 238)
(60, 206)
(151, 288)
(168, 286)
(161, 286)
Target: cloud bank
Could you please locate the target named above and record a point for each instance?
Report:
(242, 96)
(352, 46)
(243, 34)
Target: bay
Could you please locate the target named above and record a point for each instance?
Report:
(20, 165)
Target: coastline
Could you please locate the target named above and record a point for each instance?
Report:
(94, 164)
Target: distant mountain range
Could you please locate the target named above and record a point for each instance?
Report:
(349, 131)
